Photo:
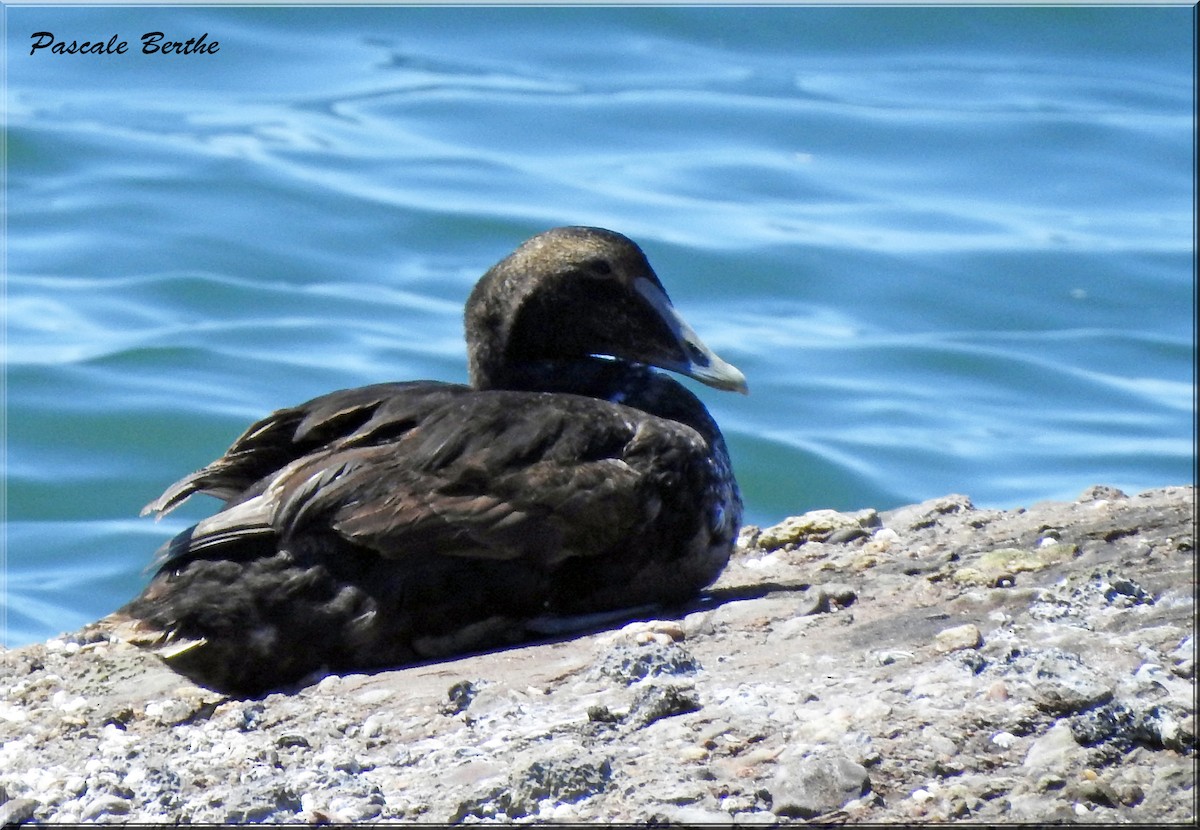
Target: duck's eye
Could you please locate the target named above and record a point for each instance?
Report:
(599, 267)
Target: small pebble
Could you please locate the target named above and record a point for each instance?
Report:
(372, 727)
(562, 812)
(105, 805)
(1005, 740)
(1099, 792)
(1132, 795)
(761, 562)
(887, 658)
(63, 701)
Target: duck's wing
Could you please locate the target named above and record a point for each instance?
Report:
(496, 475)
(290, 434)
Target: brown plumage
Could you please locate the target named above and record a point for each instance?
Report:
(398, 522)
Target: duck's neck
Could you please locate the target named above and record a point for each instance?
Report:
(615, 381)
(591, 376)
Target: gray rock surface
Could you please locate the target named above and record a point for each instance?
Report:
(934, 662)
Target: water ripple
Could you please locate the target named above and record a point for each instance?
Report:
(952, 249)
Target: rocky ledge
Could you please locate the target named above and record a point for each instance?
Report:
(929, 663)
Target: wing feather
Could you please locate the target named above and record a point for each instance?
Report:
(501, 475)
(270, 444)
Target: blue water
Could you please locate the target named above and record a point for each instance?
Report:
(952, 249)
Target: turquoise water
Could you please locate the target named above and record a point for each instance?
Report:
(952, 249)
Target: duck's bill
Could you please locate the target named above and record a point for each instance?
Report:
(699, 361)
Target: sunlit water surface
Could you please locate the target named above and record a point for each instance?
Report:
(952, 249)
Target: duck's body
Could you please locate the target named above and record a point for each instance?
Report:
(376, 526)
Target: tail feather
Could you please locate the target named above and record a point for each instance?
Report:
(224, 532)
(165, 643)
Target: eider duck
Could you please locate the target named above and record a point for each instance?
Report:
(402, 522)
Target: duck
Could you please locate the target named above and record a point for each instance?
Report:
(406, 522)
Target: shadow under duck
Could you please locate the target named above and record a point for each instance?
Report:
(401, 522)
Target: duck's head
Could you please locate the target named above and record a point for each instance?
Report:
(572, 293)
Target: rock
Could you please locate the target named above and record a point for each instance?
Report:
(957, 638)
(17, 811)
(1183, 658)
(838, 594)
(820, 599)
(551, 782)
(817, 525)
(689, 816)
(1000, 568)
(731, 709)
(1126, 592)
(105, 805)
(843, 535)
(1101, 492)
(1064, 684)
(629, 663)
(559, 780)
(810, 787)
(1155, 726)
(459, 697)
(1098, 792)
(656, 702)
(1053, 749)
(928, 513)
